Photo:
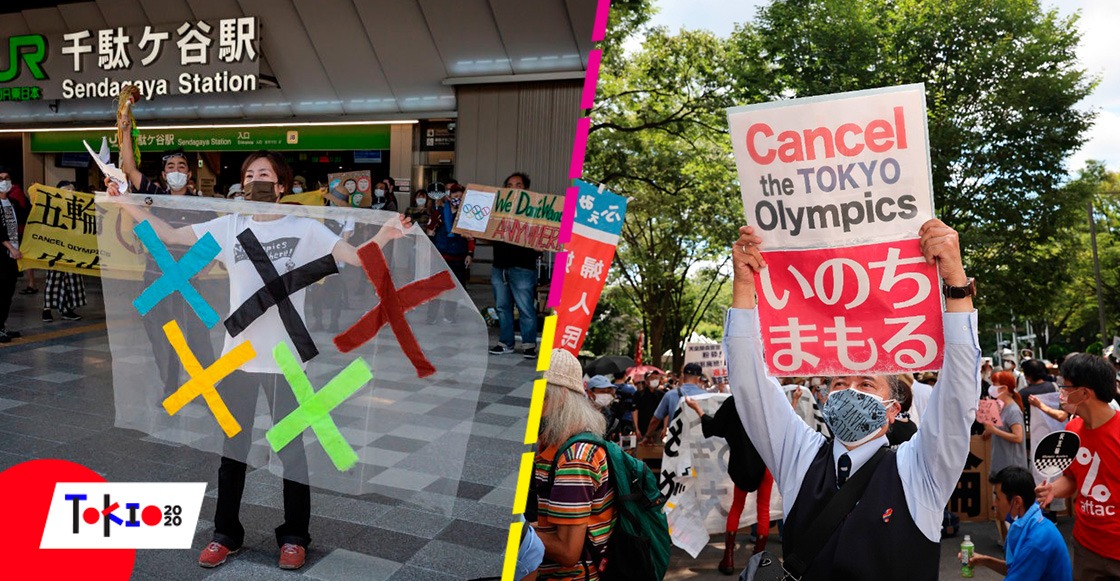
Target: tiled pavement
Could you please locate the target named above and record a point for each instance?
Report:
(56, 402)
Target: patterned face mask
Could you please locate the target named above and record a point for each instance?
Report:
(854, 416)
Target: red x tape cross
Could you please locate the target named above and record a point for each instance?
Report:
(395, 302)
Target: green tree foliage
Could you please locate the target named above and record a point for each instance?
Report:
(658, 135)
(1001, 82)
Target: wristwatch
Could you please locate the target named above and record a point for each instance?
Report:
(960, 292)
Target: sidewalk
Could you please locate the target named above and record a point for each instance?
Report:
(56, 401)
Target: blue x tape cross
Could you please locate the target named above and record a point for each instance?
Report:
(177, 275)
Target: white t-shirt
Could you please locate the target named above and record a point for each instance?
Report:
(290, 242)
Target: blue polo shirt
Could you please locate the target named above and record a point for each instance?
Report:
(1035, 550)
(669, 403)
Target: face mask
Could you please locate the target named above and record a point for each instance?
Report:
(603, 399)
(176, 180)
(421, 202)
(297, 190)
(1070, 407)
(254, 196)
(854, 416)
(1009, 365)
(379, 193)
(5, 186)
(993, 391)
(654, 383)
(455, 202)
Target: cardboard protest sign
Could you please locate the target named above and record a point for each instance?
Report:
(694, 476)
(709, 356)
(62, 234)
(972, 499)
(987, 412)
(356, 184)
(837, 187)
(589, 254)
(519, 217)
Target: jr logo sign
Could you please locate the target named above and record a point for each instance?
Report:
(24, 51)
(31, 50)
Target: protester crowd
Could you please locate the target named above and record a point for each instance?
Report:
(865, 465)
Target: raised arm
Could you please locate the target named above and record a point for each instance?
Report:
(787, 445)
(343, 251)
(932, 461)
(127, 159)
(169, 234)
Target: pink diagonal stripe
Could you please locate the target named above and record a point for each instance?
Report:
(556, 289)
(591, 80)
(601, 15)
(579, 148)
(569, 216)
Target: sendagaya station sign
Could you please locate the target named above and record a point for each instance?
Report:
(184, 58)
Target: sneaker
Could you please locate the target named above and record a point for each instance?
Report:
(11, 334)
(214, 554)
(5, 338)
(501, 349)
(530, 352)
(47, 316)
(71, 316)
(292, 556)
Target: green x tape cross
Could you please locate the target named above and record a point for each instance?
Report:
(315, 408)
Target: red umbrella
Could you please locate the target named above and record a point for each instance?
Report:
(640, 371)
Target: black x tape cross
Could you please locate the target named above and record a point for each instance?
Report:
(278, 290)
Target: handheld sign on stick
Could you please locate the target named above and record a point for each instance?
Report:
(1055, 453)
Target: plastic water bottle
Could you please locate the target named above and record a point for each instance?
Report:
(967, 550)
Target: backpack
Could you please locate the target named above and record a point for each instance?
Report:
(639, 545)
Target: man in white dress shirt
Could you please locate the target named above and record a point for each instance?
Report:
(894, 530)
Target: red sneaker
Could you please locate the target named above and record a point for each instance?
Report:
(292, 556)
(214, 554)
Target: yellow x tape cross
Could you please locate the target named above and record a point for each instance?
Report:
(204, 381)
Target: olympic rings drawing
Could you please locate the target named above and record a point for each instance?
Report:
(477, 212)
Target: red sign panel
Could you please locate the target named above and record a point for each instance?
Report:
(868, 310)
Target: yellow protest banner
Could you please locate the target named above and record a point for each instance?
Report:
(313, 198)
(61, 234)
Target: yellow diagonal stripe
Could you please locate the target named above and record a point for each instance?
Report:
(524, 475)
(204, 381)
(513, 544)
(533, 426)
(547, 335)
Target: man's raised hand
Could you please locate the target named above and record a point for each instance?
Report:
(746, 260)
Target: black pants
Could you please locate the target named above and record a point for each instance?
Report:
(174, 308)
(9, 275)
(240, 391)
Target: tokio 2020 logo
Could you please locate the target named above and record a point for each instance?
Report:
(119, 515)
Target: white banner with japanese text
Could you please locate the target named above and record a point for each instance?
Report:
(837, 187)
(694, 476)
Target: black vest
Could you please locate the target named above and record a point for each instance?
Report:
(877, 541)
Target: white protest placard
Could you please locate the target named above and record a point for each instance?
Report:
(837, 186)
(476, 210)
(709, 356)
(836, 169)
